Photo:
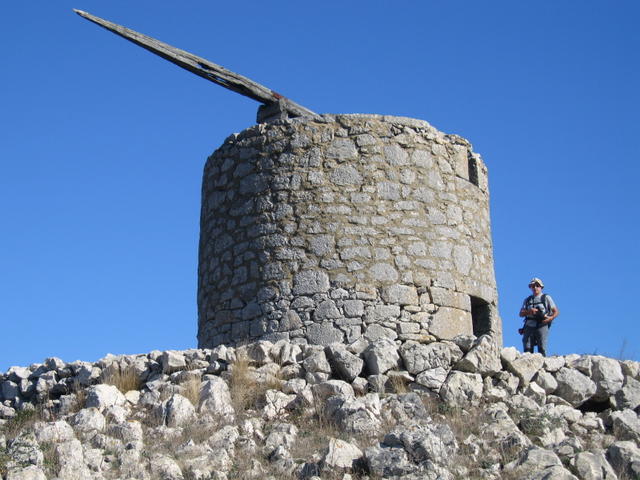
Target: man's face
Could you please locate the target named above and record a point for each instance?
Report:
(536, 289)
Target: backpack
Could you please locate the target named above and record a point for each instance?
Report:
(545, 302)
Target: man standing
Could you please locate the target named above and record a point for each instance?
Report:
(539, 311)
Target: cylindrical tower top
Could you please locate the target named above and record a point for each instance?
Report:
(344, 227)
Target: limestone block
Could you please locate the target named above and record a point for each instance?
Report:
(381, 356)
(553, 364)
(353, 308)
(433, 378)
(324, 334)
(309, 282)
(172, 361)
(341, 455)
(525, 366)
(324, 390)
(629, 395)
(388, 462)
(624, 456)
(418, 357)
(483, 358)
(573, 386)
(546, 381)
(462, 259)
(280, 440)
(626, 425)
(177, 411)
(71, 460)
(449, 322)
(461, 388)
(400, 294)
(104, 396)
(317, 363)
(344, 364)
(215, 397)
(345, 175)
(376, 331)
(88, 419)
(607, 374)
(326, 310)
(31, 472)
(163, 466)
(381, 313)
(53, 432)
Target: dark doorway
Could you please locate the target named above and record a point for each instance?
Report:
(480, 315)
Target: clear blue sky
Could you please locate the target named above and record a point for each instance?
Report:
(102, 146)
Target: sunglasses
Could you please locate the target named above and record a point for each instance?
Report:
(534, 285)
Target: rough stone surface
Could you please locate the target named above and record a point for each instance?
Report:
(295, 410)
(370, 219)
(575, 387)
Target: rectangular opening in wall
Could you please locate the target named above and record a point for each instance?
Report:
(480, 315)
(473, 170)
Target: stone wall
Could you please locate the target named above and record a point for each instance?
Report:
(341, 227)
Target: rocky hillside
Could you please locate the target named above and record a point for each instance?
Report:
(458, 409)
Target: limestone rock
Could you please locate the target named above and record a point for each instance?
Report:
(386, 462)
(629, 395)
(355, 415)
(418, 357)
(381, 356)
(461, 388)
(482, 358)
(276, 404)
(546, 381)
(172, 361)
(317, 363)
(71, 460)
(165, 467)
(539, 464)
(104, 396)
(53, 432)
(626, 425)
(434, 443)
(177, 411)
(324, 390)
(31, 472)
(624, 457)
(573, 386)
(215, 397)
(526, 366)
(592, 466)
(345, 364)
(607, 375)
(341, 455)
(433, 378)
(448, 322)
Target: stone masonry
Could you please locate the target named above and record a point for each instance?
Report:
(345, 228)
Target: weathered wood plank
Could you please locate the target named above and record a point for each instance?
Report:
(202, 67)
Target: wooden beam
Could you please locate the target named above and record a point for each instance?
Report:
(202, 67)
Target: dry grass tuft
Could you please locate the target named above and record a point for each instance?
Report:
(246, 388)
(399, 384)
(191, 390)
(125, 380)
(242, 385)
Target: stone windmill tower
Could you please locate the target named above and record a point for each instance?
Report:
(336, 228)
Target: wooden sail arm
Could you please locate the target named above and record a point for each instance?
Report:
(202, 67)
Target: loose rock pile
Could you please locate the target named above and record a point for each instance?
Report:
(460, 409)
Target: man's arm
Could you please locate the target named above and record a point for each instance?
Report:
(527, 311)
(549, 318)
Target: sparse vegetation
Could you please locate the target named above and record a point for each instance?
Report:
(191, 390)
(124, 379)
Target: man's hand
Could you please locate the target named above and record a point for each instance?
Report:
(547, 320)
